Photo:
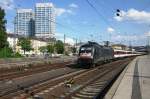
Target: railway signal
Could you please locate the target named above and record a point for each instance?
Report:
(118, 12)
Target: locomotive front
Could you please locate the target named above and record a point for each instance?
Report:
(85, 56)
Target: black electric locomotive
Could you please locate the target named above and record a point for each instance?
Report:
(92, 53)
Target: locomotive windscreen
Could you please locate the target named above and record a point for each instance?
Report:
(85, 50)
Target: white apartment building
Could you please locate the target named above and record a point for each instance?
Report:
(44, 20)
(24, 24)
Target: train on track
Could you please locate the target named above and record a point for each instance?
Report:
(91, 53)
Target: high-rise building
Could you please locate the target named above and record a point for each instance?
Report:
(44, 20)
(24, 24)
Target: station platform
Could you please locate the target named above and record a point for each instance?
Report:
(135, 82)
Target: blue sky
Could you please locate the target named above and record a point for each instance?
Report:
(81, 21)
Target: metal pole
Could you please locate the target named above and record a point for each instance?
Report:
(110, 37)
(76, 46)
(64, 46)
(64, 43)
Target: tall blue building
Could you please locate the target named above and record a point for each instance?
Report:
(24, 23)
(44, 20)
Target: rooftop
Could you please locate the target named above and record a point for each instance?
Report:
(23, 10)
(44, 5)
(33, 38)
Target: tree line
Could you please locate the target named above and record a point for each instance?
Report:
(57, 47)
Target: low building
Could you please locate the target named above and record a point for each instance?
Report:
(35, 42)
(12, 40)
(119, 47)
(68, 48)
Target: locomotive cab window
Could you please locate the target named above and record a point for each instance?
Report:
(85, 50)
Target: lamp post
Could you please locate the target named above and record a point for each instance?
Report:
(91, 36)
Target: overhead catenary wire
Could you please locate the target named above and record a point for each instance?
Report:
(103, 5)
(111, 8)
(64, 26)
(69, 28)
(101, 15)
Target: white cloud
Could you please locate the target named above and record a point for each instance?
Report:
(118, 18)
(9, 30)
(69, 11)
(110, 30)
(127, 37)
(70, 41)
(60, 11)
(147, 33)
(7, 4)
(59, 35)
(73, 5)
(134, 15)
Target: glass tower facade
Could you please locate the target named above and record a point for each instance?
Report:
(44, 20)
(24, 24)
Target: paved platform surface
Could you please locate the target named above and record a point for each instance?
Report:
(136, 81)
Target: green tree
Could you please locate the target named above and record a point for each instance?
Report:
(43, 49)
(3, 34)
(50, 48)
(59, 46)
(25, 44)
(6, 52)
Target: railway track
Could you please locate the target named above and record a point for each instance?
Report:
(96, 86)
(98, 77)
(10, 91)
(32, 64)
(82, 81)
(30, 70)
